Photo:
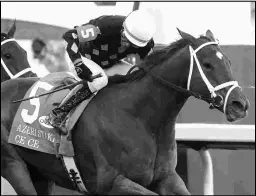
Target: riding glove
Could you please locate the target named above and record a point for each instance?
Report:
(83, 72)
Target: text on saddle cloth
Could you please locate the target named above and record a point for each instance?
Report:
(30, 128)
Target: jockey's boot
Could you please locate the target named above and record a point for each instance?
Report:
(58, 115)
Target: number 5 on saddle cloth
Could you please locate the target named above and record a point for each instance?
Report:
(76, 88)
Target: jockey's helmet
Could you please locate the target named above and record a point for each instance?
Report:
(139, 27)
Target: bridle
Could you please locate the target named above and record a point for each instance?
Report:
(211, 89)
(215, 100)
(6, 68)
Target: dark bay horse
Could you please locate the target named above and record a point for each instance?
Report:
(124, 141)
(14, 62)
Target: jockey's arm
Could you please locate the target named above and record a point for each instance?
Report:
(72, 49)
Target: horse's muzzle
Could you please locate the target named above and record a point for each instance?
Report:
(237, 109)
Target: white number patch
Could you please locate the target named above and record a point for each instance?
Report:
(35, 102)
(87, 33)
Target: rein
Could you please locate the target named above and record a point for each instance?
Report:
(178, 88)
(215, 100)
(6, 68)
(169, 84)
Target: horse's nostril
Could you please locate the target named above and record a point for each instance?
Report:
(239, 106)
(247, 105)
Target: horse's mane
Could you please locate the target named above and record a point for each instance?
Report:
(157, 57)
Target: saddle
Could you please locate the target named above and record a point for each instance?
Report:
(31, 120)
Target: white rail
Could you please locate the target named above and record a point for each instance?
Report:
(214, 133)
(208, 185)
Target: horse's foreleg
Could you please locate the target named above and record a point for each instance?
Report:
(18, 176)
(171, 185)
(42, 185)
(124, 186)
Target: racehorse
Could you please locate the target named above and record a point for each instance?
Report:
(14, 62)
(124, 141)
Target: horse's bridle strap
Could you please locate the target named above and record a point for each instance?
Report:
(6, 68)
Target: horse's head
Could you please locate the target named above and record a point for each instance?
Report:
(213, 76)
(14, 62)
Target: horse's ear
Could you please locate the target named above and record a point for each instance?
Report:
(11, 32)
(210, 35)
(186, 35)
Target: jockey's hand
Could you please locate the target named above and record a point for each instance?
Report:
(84, 72)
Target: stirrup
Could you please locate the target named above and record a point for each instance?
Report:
(56, 120)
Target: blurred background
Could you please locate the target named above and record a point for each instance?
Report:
(40, 26)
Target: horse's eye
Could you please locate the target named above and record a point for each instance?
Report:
(8, 56)
(207, 65)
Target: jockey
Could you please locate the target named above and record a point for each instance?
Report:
(104, 41)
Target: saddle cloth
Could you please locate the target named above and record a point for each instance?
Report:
(30, 128)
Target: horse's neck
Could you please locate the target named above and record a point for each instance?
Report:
(4, 75)
(155, 104)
